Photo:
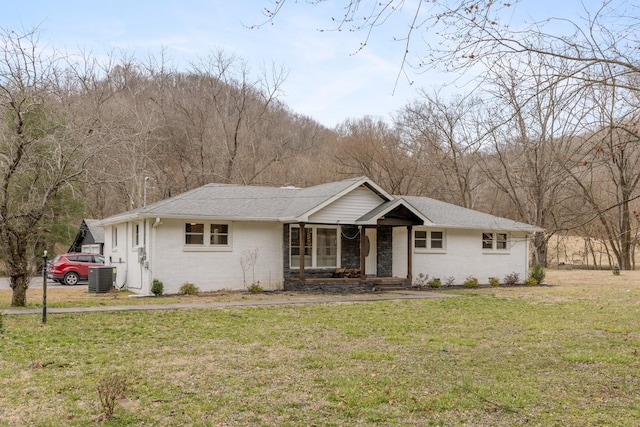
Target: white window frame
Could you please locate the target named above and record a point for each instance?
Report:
(137, 229)
(428, 240)
(114, 238)
(206, 245)
(314, 246)
(498, 239)
(214, 235)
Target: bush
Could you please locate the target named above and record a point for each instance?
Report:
(511, 279)
(420, 281)
(530, 281)
(616, 270)
(434, 283)
(494, 281)
(157, 288)
(110, 389)
(255, 288)
(537, 272)
(471, 282)
(449, 281)
(189, 289)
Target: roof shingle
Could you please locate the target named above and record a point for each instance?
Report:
(230, 201)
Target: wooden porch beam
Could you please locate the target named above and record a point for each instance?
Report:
(302, 241)
(394, 222)
(363, 251)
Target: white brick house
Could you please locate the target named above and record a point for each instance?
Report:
(221, 236)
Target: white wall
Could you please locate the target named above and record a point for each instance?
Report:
(174, 265)
(464, 257)
(348, 208)
(131, 274)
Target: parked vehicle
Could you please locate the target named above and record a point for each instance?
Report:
(69, 269)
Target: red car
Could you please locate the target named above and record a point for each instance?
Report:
(69, 269)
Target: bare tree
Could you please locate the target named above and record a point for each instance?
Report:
(606, 167)
(535, 115)
(373, 148)
(448, 136)
(459, 23)
(462, 35)
(42, 148)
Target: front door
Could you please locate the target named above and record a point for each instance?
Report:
(371, 255)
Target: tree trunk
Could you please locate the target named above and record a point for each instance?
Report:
(14, 246)
(540, 243)
(19, 284)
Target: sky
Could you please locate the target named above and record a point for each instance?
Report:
(328, 79)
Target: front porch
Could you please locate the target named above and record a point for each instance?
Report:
(363, 253)
(347, 285)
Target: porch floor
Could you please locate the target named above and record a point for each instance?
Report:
(342, 285)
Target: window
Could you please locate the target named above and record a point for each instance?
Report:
(420, 239)
(320, 247)
(501, 241)
(327, 247)
(219, 234)
(487, 240)
(429, 240)
(136, 234)
(495, 242)
(194, 234)
(114, 237)
(437, 240)
(295, 246)
(202, 236)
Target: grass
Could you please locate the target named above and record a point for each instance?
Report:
(566, 354)
(79, 296)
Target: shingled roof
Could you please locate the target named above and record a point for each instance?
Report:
(447, 215)
(245, 202)
(289, 204)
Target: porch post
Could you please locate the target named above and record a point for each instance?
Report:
(302, 241)
(363, 251)
(409, 253)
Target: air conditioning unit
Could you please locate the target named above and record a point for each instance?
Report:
(101, 279)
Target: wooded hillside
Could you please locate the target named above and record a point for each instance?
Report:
(557, 150)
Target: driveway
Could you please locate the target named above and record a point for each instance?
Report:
(36, 282)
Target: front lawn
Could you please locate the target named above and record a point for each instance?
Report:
(566, 354)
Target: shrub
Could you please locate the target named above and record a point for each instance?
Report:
(157, 288)
(189, 289)
(255, 288)
(530, 281)
(471, 282)
(110, 389)
(537, 272)
(494, 281)
(420, 281)
(511, 279)
(449, 281)
(434, 283)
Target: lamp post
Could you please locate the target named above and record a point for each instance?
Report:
(44, 287)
